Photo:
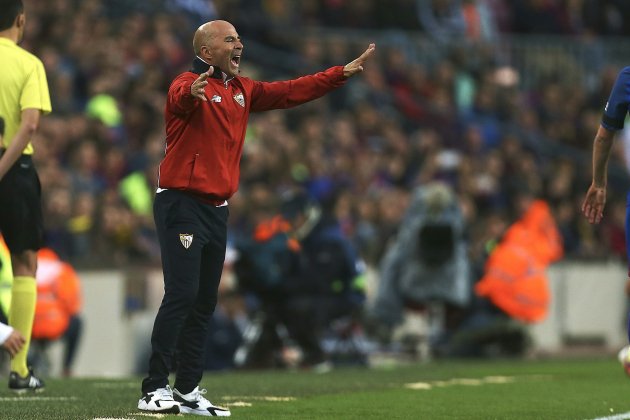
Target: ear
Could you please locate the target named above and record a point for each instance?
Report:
(205, 53)
(20, 20)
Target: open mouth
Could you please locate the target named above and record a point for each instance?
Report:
(236, 60)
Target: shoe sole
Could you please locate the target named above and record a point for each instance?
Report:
(186, 410)
(171, 410)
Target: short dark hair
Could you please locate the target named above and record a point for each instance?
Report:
(9, 10)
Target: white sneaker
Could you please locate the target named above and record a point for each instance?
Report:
(159, 401)
(195, 403)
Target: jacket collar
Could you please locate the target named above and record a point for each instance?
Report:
(199, 66)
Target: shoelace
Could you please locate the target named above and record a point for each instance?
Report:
(198, 394)
(164, 393)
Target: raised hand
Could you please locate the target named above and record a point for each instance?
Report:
(198, 87)
(356, 66)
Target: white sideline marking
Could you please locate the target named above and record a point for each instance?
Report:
(419, 385)
(622, 416)
(461, 381)
(258, 398)
(11, 399)
(498, 379)
(154, 415)
(112, 418)
(239, 404)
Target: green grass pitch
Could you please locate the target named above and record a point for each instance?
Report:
(551, 389)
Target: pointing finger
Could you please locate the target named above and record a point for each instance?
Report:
(204, 76)
(367, 53)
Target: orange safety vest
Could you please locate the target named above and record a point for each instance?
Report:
(267, 229)
(58, 296)
(515, 277)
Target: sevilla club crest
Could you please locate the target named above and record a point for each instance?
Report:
(240, 99)
(186, 239)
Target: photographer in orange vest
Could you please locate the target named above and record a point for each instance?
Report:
(58, 306)
(515, 278)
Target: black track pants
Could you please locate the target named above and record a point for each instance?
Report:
(192, 237)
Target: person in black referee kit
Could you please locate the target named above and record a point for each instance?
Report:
(24, 98)
(206, 117)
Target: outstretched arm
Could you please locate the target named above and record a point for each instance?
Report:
(289, 93)
(595, 200)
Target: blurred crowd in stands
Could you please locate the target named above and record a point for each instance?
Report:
(443, 100)
(461, 117)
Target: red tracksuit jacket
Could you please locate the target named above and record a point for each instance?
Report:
(204, 140)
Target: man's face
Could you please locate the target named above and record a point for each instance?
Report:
(225, 49)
